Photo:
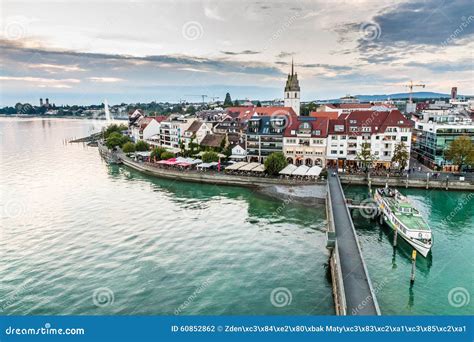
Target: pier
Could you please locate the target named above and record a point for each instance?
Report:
(352, 288)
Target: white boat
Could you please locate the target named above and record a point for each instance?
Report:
(398, 213)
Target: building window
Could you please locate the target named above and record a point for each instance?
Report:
(404, 139)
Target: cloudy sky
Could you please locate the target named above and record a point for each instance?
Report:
(80, 52)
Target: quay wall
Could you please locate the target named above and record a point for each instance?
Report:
(408, 183)
(213, 177)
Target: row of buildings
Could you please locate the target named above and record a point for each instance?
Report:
(334, 135)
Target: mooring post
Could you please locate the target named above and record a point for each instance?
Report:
(427, 179)
(395, 237)
(413, 266)
(406, 182)
(447, 182)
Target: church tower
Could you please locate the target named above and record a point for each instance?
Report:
(292, 91)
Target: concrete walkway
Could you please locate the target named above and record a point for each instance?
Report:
(360, 298)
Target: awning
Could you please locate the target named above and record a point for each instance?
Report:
(237, 156)
(314, 171)
(206, 165)
(288, 170)
(300, 171)
(236, 166)
(143, 153)
(260, 168)
(183, 164)
(171, 161)
(249, 166)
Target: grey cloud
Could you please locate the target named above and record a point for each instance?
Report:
(245, 52)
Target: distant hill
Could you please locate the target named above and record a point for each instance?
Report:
(397, 96)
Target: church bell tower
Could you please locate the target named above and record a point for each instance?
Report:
(292, 91)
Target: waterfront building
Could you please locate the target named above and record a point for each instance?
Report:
(214, 142)
(146, 127)
(172, 131)
(434, 133)
(381, 130)
(304, 141)
(265, 136)
(196, 132)
(239, 152)
(292, 91)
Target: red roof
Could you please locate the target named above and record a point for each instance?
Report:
(318, 124)
(145, 121)
(378, 121)
(327, 115)
(245, 113)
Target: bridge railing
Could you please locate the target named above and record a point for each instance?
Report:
(359, 250)
(335, 262)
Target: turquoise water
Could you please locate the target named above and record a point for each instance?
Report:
(444, 282)
(81, 237)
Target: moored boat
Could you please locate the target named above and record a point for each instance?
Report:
(401, 215)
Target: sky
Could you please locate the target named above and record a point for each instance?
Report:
(82, 52)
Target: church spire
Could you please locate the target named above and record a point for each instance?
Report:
(292, 68)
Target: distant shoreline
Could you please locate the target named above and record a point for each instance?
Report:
(27, 116)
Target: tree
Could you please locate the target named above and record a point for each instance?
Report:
(191, 110)
(460, 152)
(401, 155)
(128, 147)
(157, 152)
(274, 163)
(193, 147)
(142, 146)
(166, 155)
(116, 139)
(227, 101)
(236, 103)
(114, 128)
(210, 157)
(259, 104)
(364, 156)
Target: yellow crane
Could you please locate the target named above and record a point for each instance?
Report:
(411, 86)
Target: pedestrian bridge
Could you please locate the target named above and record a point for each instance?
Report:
(352, 288)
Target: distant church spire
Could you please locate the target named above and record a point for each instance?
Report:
(292, 90)
(292, 67)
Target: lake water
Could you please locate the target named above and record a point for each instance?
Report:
(81, 237)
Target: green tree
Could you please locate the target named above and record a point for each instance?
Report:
(193, 147)
(259, 104)
(460, 152)
(166, 155)
(210, 157)
(228, 100)
(274, 163)
(142, 146)
(364, 156)
(114, 128)
(116, 139)
(157, 152)
(401, 155)
(191, 110)
(236, 103)
(128, 147)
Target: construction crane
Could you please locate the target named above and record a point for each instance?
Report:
(203, 97)
(411, 86)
